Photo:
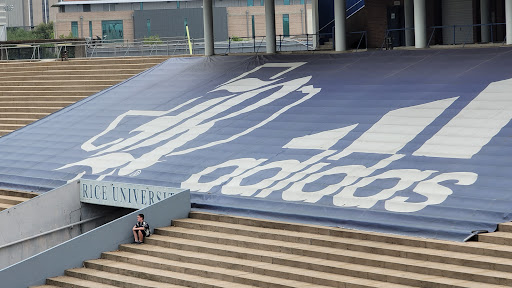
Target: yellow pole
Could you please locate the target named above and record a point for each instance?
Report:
(189, 43)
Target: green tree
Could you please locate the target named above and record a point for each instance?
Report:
(41, 31)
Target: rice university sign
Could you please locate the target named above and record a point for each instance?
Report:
(124, 195)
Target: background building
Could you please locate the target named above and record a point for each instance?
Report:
(129, 20)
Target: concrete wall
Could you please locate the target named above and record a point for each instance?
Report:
(71, 254)
(170, 23)
(47, 212)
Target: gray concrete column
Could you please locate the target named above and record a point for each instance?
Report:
(409, 22)
(339, 25)
(208, 27)
(420, 24)
(508, 20)
(315, 23)
(270, 23)
(485, 17)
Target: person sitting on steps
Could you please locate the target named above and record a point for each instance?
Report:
(140, 230)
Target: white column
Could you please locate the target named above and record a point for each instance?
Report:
(508, 20)
(409, 22)
(420, 24)
(485, 19)
(315, 23)
(270, 23)
(3, 33)
(339, 23)
(208, 27)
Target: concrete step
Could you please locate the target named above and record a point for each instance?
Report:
(505, 227)
(100, 71)
(67, 281)
(303, 273)
(22, 194)
(4, 132)
(10, 127)
(22, 115)
(93, 88)
(499, 238)
(114, 279)
(332, 259)
(14, 121)
(47, 77)
(12, 200)
(39, 94)
(29, 109)
(163, 276)
(269, 275)
(389, 253)
(84, 61)
(142, 66)
(476, 248)
(5, 206)
(58, 82)
(35, 103)
(46, 286)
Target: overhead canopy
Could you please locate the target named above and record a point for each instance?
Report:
(406, 142)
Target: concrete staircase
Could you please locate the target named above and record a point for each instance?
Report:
(9, 198)
(210, 250)
(32, 90)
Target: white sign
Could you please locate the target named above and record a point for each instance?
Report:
(125, 195)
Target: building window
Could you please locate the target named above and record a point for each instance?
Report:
(90, 29)
(109, 7)
(302, 2)
(148, 26)
(87, 7)
(141, 6)
(178, 4)
(286, 25)
(253, 27)
(74, 29)
(112, 29)
(286, 2)
(62, 9)
(262, 3)
(250, 2)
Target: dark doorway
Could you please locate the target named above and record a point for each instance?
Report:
(396, 21)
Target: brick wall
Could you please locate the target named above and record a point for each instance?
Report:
(240, 20)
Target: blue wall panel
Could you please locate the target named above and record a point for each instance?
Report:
(406, 142)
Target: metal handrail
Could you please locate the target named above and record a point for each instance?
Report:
(50, 232)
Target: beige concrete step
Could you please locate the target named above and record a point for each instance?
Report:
(4, 132)
(499, 238)
(22, 115)
(304, 273)
(114, 279)
(87, 86)
(100, 71)
(10, 127)
(45, 286)
(12, 200)
(165, 276)
(142, 66)
(35, 109)
(35, 103)
(5, 206)
(66, 78)
(387, 252)
(59, 95)
(332, 259)
(15, 193)
(256, 274)
(67, 281)
(505, 227)
(15, 121)
(476, 248)
(58, 82)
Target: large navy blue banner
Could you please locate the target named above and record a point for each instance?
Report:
(411, 142)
